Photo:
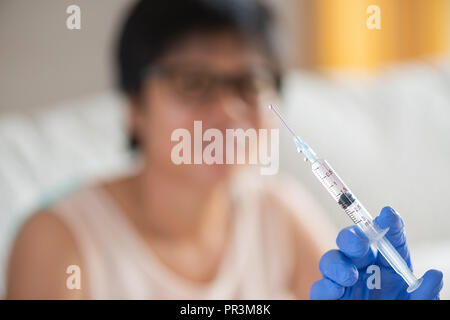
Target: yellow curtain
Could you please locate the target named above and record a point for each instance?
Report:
(409, 29)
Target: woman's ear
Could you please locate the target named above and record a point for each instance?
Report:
(134, 124)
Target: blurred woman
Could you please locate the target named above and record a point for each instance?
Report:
(181, 231)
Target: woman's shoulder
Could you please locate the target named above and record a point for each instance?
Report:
(43, 250)
(47, 225)
(47, 244)
(54, 239)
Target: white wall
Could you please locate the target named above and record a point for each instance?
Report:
(42, 62)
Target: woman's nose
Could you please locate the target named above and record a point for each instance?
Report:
(228, 105)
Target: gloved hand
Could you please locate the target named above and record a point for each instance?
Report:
(344, 270)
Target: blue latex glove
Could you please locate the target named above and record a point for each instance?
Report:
(344, 270)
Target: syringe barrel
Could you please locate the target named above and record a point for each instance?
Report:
(341, 193)
(362, 218)
(397, 263)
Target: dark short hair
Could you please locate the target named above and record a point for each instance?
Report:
(152, 26)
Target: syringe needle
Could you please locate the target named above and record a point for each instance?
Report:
(302, 146)
(278, 114)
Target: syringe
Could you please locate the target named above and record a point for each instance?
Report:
(353, 208)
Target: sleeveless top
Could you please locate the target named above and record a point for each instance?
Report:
(117, 264)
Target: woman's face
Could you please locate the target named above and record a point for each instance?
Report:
(213, 78)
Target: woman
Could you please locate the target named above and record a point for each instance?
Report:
(180, 231)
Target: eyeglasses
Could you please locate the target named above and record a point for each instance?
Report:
(199, 87)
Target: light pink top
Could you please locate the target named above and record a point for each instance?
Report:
(257, 264)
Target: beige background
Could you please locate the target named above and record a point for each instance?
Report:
(43, 63)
